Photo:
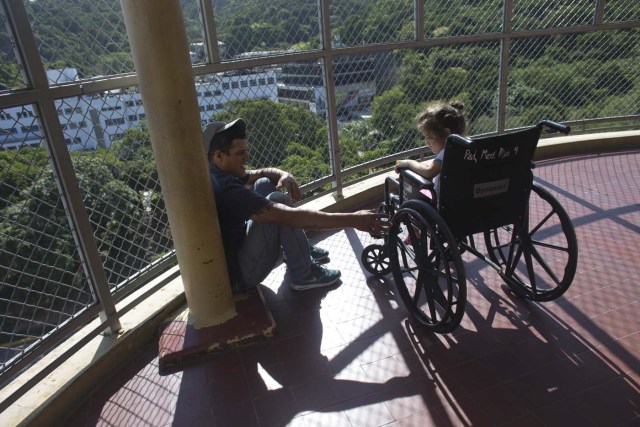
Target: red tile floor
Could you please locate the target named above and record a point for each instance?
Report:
(348, 356)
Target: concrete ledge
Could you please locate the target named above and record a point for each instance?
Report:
(577, 145)
(64, 389)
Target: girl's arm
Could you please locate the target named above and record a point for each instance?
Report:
(428, 169)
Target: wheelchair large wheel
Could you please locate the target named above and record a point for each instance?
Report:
(538, 258)
(427, 267)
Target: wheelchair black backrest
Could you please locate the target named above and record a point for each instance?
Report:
(485, 182)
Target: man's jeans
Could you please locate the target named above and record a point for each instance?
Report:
(264, 242)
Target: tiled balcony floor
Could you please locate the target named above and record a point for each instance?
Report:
(348, 356)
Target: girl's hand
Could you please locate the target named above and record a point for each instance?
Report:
(401, 164)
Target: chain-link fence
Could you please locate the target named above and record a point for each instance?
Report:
(329, 111)
(9, 68)
(591, 75)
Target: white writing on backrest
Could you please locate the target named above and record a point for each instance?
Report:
(486, 189)
(500, 153)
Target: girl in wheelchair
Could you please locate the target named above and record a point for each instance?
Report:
(436, 123)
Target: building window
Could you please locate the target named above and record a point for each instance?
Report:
(262, 82)
(6, 116)
(234, 85)
(217, 92)
(82, 124)
(253, 83)
(225, 86)
(219, 106)
(207, 93)
(211, 107)
(129, 103)
(271, 80)
(113, 122)
(34, 128)
(244, 83)
(24, 113)
(133, 118)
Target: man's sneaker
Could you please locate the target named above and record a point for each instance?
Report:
(318, 254)
(318, 277)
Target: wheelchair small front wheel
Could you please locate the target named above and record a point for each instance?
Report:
(375, 260)
(427, 267)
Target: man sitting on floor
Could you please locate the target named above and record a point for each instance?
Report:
(258, 221)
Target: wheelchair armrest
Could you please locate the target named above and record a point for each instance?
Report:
(420, 181)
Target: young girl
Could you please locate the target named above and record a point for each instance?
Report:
(435, 123)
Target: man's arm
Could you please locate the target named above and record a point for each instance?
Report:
(365, 220)
(278, 176)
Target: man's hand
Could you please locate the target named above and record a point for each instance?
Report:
(288, 182)
(376, 224)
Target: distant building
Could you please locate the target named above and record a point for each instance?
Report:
(302, 83)
(62, 75)
(99, 120)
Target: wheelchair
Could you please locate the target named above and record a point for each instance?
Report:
(487, 193)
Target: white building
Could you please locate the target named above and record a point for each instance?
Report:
(99, 120)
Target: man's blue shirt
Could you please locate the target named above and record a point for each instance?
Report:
(236, 204)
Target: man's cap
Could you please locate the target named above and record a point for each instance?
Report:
(214, 128)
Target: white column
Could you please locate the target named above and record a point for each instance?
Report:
(161, 56)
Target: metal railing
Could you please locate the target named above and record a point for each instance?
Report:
(330, 90)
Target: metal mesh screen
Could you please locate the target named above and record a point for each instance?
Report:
(283, 109)
(592, 75)
(369, 22)
(535, 14)
(194, 30)
(93, 40)
(113, 161)
(42, 282)
(255, 28)
(10, 76)
(621, 11)
(379, 118)
(461, 17)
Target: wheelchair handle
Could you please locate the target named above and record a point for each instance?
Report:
(454, 137)
(555, 126)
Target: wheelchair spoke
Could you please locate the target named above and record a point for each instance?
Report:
(513, 260)
(532, 276)
(427, 267)
(544, 265)
(541, 223)
(419, 289)
(550, 246)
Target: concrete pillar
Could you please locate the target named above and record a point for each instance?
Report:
(161, 57)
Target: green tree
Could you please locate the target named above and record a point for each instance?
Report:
(271, 127)
(20, 169)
